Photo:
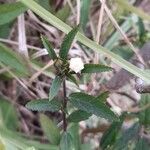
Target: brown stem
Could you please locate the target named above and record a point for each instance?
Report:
(64, 105)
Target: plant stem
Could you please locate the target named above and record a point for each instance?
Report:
(84, 40)
(64, 105)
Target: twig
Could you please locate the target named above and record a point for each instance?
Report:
(78, 11)
(19, 81)
(71, 7)
(16, 43)
(138, 109)
(136, 51)
(22, 36)
(99, 28)
(127, 95)
(40, 71)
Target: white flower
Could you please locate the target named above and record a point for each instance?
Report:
(76, 64)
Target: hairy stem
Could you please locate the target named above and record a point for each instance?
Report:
(64, 106)
(50, 18)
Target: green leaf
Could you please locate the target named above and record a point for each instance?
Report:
(66, 142)
(72, 78)
(66, 44)
(9, 114)
(85, 7)
(127, 136)
(102, 97)
(13, 60)
(142, 144)
(78, 116)
(73, 129)
(48, 47)
(95, 68)
(9, 12)
(144, 116)
(50, 129)
(44, 105)
(50, 18)
(88, 103)
(56, 84)
(110, 136)
(15, 141)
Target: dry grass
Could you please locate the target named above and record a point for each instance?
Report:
(25, 38)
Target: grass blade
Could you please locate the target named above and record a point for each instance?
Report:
(85, 7)
(84, 40)
(12, 59)
(9, 12)
(50, 129)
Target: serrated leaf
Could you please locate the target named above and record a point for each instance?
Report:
(110, 136)
(13, 60)
(78, 116)
(9, 12)
(66, 142)
(144, 116)
(72, 78)
(127, 136)
(142, 144)
(56, 84)
(50, 129)
(48, 47)
(66, 44)
(85, 7)
(44, 105)
(86, 41)
(95, 68)
(102, 97)
(88, 103)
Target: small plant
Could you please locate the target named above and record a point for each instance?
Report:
(85, 105)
